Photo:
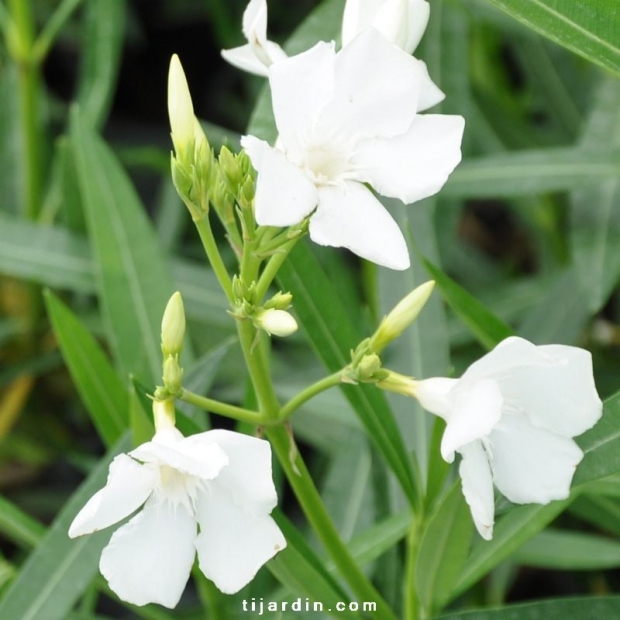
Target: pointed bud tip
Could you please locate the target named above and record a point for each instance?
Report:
(180, 107)
(173, 326)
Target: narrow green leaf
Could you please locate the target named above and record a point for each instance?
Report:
(333, 336)
(95, 379)
(603, 512)
(488, 329)
(104, 34)
(601, 445)
(18, 526)
(561, 550)
(57, 572)
(142, 426)
(524, 173)
(588, 27)
(443, 550)
(510, 532)
(585, 608)
(595, 212)
(132, 276)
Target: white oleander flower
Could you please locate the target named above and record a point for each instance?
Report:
(401, 22)
(346, 119)
(211, 494)
(258, 53)
(512, 416)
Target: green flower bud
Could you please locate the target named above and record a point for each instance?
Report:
(173, 375)
(230, 170)
(368, 366)
(403, 314)
(180, 111)
(280, 301)
(173, 326)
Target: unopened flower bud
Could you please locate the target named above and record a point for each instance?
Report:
(229, 166)
(173, 374)
(180, 111)
(403, 314)
(173, 327)
(368, 366)
(276, 322)
(280, 301)
(163, 414)
(395, 382)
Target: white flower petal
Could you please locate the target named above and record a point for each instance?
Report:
(419, 12)
(284, 193)
(476, 410)
(532, 465)
(562, 397)
(430, 93)
(248, 476)
(128, 487)
(244, 58)
(349, 216)
(232, 544)
(358, 16)
(205, 463)
(414, 165)
(391, 21)
(478, 487)
(149, 559)
(376, 90)
(434, 395)
(301, 86)
(254, 25)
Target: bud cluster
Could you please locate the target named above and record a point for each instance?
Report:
(172, 335)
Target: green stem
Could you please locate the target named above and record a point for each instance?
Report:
(213, 254)
(310, 392)
(52, 28)
(28, 91)
(215, 406)
(314, 509)
(413, 610)
(272, 267)
(259, 371)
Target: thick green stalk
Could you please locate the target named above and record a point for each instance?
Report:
(272, 267)
(314, 509)
(52, 29)
(29, 112)
(213, 254)
(215, 406)
(310, 392)
(413, 610)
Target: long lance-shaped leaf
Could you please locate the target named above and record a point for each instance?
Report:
(57, 572)
(133, 280)
(95, 379)
(584, 608)
(588, 27)
(332, 335)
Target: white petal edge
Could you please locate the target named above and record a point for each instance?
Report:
(301, 86)
(254, 25)
(358, 15)
(430, 93)
(149, 559)
(244, 58)
(233, 545)
(477, 408)
(205, 464)
(419, 13)
(349, 216)
(414, 165)
(128, 487)
(376, 90)
(248, 476)
(532, 465)
(477, 484)
(285, 195)
(434, 395)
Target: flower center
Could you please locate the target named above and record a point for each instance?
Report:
(326, 162)
(177, 487)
